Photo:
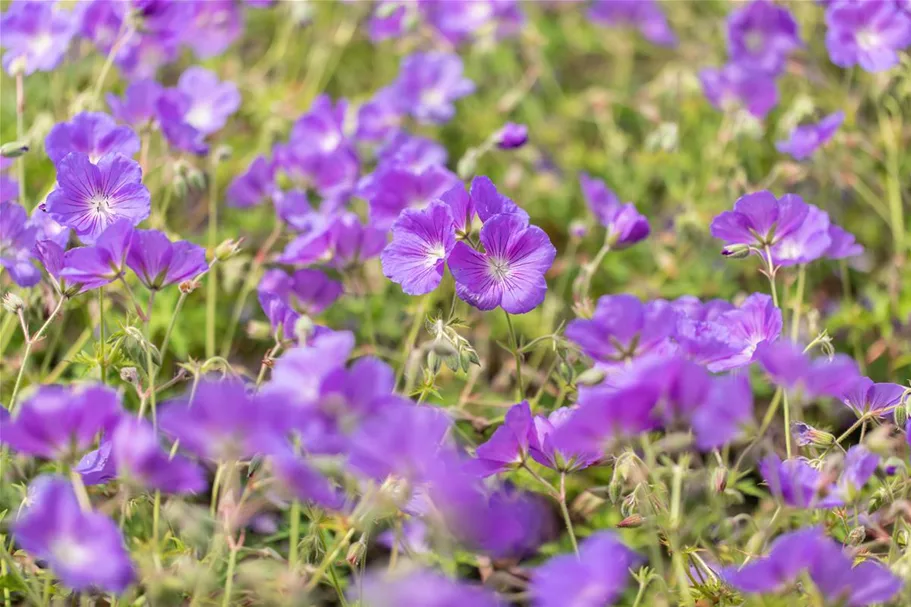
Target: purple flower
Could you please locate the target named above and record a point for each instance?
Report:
(596, 577)
(625, 226)
(36, 35)
(727, 407)
(807, 243)
(158, 262)
(859, 467)
(421, 588)
(310, 291)
(215, 25)
(90, 197)
(100, 264)
(546, 447)
(796, 483)
(866, 397)
(84, 549)
(17, 239)
(390, 191)
(300, 479)
(868, 34)
(842, 244)
(646, 15)
(788, 557)
(138, 106)
(48, 229)
(510, 271)
(788, 366)
(58, 420)
(9, 187)
(140, 458)
(736, 85)
(98, 467)
(761, 35)
(841, 582)
(255, 185)
(352, 242)
(94, 134)
(282, 317)
(760, 220)
(623, 328)
(171, 108)
(458, 21)
(508, 446)
(807, 138)
(222, 422)
(379, 118)
(209, 101)
(429, 83)
(421, 243)
(511, 136)
(389, 19)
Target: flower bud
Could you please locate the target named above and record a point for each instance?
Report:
(856, 536)
(228, 249)
(188, 286)
(901, 414)
(632, 521)
(736, 251)
(578, 229)
(129, 375)
(443, 348)
(13, 303)
(356, 552)
(720, 479)
(894, 466)
(591, 377)
(808, 435)
(13, 149)
(223, 152)
(512, 136)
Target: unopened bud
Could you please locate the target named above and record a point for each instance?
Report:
(632, 521)
(13, 303)
(443, 348)
(434, 362)
(223, 152)
(578, 229)
(303, 329)
(856, 536)
(188, 286)
(591, 377)
(808, 435)
(129, 375)
(356, 552)
(13, 149)
(894, 466)
(902, 414)
(736, 251)
(228, 249)
(720, 479)
(876, 501)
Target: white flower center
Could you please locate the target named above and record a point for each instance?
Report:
(433, 98)
(868, 40)
(200, 116)
(435, 254)
(101, 205)
(70, 552)
(499, 268)
(40, 44)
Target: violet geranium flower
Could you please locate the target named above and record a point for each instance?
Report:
(625, 225)
(429, 83)
(510, 271)
(867, 397)
(84, 549)
(310, 291)
(735, 85)
(597, 576)
(421, 243)
(90, 197)
(140, 458)
(508, 445)
(788, 366)
(102, 263)
(17, 239)
(94, 134)
(420, 588)
(253, 186)
(759, 220)
(807, 138)
(36, 35)
(209, 101)
(842, 244)
(158, 262)
(797, 484)
(869, 34)
(645, 15)
(761, 35)
(138, 105)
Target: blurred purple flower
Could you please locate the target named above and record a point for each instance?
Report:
(138, 105)
(859, 467)
(58, 420)
(94, 134)
(90, 197)
(596, 577)
(102, 263)
(98, 467)
(17, 240)
(789, 556)
(733, 84)
(9, 187)
(214, 26)
(140, 458)
(759, 219)
(158, 262)
(623, 328)
(606, 413)
(458, 21)
(84, 549)
(298, 375)
(36, 35)
(390, 191)
(625, 225)
(510, 271)
(546, 447)
(171, 108)
(797, 484)
(842, 244)
(309, 291)
(380, 117)
(48, 229)
(421, 243)
(807, 243)
(300, 479)
(646, 15)
(420, 588)
(807, 138)
(866, 397)
(253, 186)
(761, 35)
(726, 409)
(282, 317)
(208, 101)
(511, 136)
(788, 366)
(429, 83)
(508, 445)
(869, 34)
(352, 242)
(389, 19)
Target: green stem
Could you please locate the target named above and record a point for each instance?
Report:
(151, 370)
(14, 571)
(167, 334)
(229, 579)
(798, 302)
(103, 363)
(771, 275)
(787, 422)
(565, 511)
(329, 559)
(29, 342)
(520, 389)
(20, 133)
(294, 520)
(212, 283)
(124, 34)
(412, 335)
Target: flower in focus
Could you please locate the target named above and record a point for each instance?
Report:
(759, 220)
(17, 239)
(646, 15)
(807, 243)
(867, 397)
(420, 588)
(140, 458)
(868, 34)
(625, 226)
(807, 138)
(158, 262)
(36, 35)
(100, 264)
(94, 134)
(84, 549)
(788, 366)
(546, 448)
(90, 197)
(508, 446)
(510, 271)
(623, 328)
(796, 483)
(97, 467)
(736, 85)
(761, 35)
(511, 136)
(57, 420)
(138, 105)
(429, 83)
(597, 576)
(421, 243)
